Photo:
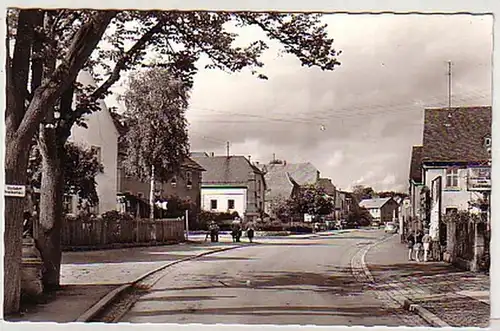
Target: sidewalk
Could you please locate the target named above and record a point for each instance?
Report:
(86, 277)
(459, 298)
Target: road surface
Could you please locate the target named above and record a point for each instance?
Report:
(306, 282)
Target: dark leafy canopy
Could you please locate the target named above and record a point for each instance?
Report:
(157, 127)
(80, 170)
(311, 200)
(176, 40)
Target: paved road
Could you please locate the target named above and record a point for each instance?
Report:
(306, 282)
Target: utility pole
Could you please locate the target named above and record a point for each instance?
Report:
(449, 85)
(227, 148)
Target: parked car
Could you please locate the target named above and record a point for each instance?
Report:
(391, 227)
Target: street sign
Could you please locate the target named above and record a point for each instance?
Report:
(479, 179)
(18, 191)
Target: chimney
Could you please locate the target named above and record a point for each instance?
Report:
(212, 154)
(249, 158)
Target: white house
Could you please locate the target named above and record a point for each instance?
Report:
(101, 136)
(231, 184)
(455, 160)
(381, 209)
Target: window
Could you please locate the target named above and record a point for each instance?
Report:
(189, 179)
(97, 152)
(451, 210)
(173, 182)
(213, 204)
(230, 204)
(452, 177)
(487, 142)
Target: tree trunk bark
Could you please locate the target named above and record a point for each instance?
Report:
(16, 160)
(48, 228)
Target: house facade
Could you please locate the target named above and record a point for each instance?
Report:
(185, 185)
(101, 135)
(381, 209)
(414, 221)
(455, 161)
(232, 184)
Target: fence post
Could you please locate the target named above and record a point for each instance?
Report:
(478, 245)
(187, 225)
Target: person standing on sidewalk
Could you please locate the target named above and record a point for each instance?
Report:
(426, 241)
(418, 245)
(411, 242)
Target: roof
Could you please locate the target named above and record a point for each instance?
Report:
(281, 178)
(416, 164)
(191, 164)
(233, 170)
(456, 134)
(327, 185)
(374, 203)
(279, 184)
(199, 154)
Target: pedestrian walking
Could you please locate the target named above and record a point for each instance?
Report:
(250, 231)
(418, 245)
(411, 242)
(426, 241)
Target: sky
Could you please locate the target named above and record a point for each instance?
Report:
(357, 123)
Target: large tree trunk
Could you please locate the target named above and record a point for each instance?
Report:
(15, 173)
(48, 228)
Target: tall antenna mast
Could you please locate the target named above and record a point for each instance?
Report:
(449, 85)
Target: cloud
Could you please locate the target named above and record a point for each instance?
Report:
(372, 105)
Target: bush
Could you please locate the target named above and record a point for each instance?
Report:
(299, 229)
(222, 219)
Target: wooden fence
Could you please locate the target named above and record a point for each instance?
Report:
(100, 232)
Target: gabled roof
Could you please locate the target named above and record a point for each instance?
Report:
(327, 185)
(374, 203)
(199, 154)
(302, 173)
(456, 134)
(232, 170)
(279, 184)
(281, 178)
(416, 164)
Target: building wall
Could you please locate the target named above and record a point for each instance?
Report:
(222, 195)
(256, 194)
(451, 198)
(389, 211)
(180, 188)
(375, 212)
(101, 133)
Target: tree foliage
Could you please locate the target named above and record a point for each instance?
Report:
(80, 170)
(310, 200)
(361, 192)
(359, 216)
(157, 127)
(47, 49)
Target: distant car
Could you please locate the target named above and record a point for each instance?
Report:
(390, 227)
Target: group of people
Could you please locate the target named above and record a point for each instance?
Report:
(418, 244)
(236, 231)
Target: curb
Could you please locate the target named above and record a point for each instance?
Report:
(425, 314)
(111, 296)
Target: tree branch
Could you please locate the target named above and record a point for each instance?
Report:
(121, 64)
(46, 95)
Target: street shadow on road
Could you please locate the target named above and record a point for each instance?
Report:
(437, 277)
(355, 315)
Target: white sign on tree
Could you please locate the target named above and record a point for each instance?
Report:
(18, 191)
